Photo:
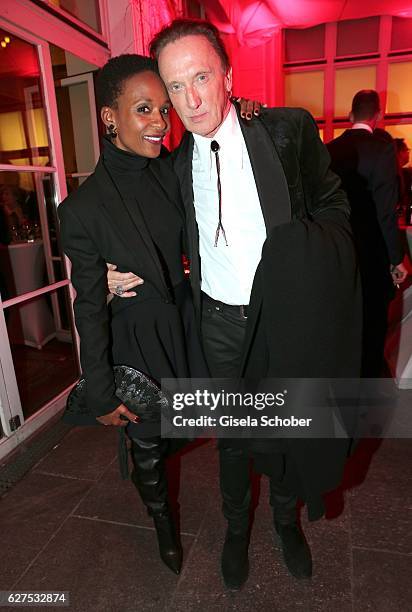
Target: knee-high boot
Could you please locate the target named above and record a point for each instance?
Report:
(149, 477)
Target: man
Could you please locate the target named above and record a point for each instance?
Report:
(242, 185)
(366, 164)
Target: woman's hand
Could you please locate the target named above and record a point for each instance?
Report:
(399, 274)
(121, 283)
(114, 418)
(248, 108)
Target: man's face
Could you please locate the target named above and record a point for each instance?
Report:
(197, 84)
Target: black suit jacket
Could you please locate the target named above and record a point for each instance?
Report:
(297, 317)
(98, 226)
(366, 165)
(291, 169)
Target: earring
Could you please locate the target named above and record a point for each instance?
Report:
(112, 130)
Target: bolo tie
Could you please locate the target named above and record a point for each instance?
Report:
(215, 149)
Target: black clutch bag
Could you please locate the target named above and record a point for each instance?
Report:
(136, 390)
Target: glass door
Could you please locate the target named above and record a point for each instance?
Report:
(38, 353)
(76, 105)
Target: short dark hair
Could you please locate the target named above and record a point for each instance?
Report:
(180, 28)
(365, 104)
(111, 78)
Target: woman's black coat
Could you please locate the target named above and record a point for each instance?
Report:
(98, 226)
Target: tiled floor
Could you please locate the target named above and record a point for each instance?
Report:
(72, 524)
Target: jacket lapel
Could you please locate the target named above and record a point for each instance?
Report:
(270, 179)
(182, 162)
(127, 219)
(273, 191)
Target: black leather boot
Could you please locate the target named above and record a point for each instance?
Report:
(235, 488)
(235, 561)
(296, 551)
(149, 477)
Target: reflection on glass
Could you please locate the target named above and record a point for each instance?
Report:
(74, 86)
(24, 136)
(28, 232)
(42, 349)
(347, 82)
(86, 11)
(305, 89)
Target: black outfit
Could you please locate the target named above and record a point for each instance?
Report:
(128, 212)
(119, 215)
(295, 186)
(367, 166)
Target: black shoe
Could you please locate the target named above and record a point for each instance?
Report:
(296, 552)
(170, 548)
(235, 562)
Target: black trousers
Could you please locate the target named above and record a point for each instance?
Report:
(223, 332)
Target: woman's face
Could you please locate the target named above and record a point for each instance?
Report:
(141, 116)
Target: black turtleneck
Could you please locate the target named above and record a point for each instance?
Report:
(133, 177)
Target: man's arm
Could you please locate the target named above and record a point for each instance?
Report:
(384, 188)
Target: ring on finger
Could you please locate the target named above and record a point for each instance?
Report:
(119, 290)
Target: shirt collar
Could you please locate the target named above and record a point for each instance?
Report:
(362, 126)
(226, 132)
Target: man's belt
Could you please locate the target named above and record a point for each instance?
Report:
(240, 311)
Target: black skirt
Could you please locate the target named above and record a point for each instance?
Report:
(159, 339)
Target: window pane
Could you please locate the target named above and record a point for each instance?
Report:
(42, 349)
(338, 131)
(28, 232)
(347, 82)
(401, 131)
(305, 89)
(86, 11)
(305, 44)
(399, 88)
(23, 126)
(401, 34)
(358, 36)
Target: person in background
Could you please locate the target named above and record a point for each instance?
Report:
(17, 209)
(367, 166)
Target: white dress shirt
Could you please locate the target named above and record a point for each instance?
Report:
(227, 271)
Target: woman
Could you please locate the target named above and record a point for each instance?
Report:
(129, 212)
